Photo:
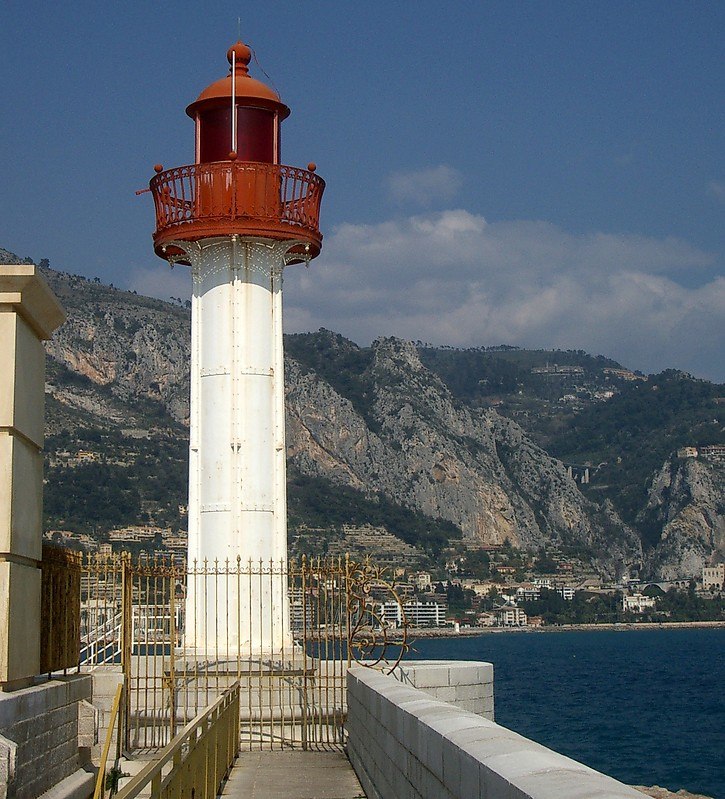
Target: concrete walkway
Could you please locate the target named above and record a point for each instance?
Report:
(293, 775)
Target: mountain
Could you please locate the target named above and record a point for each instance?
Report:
(612, 428)
(401, 432)
(629, 438)
(686, 503)
(434, 444)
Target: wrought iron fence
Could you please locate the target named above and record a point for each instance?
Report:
(286, 632)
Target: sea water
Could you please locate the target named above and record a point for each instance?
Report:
(644, 706)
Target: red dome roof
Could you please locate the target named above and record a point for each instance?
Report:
(246, 88)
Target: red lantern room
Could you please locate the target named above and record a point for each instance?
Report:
(254, 132)
(237, 184)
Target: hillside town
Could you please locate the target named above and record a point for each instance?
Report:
(492, 587)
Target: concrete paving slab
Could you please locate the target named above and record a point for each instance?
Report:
(293, 775)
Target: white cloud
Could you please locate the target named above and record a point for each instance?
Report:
(425, 187)
(453, 278)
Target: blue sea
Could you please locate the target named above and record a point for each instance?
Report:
(646, 707)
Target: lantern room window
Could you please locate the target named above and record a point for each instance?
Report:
(256, 138)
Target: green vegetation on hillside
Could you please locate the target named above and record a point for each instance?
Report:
(92, 495)
(78, 291)
(316, 502)
(632, 435)
(589, 608)
(339, 362)
(130, 482)
(477, 373)
(7, 257)
(505, 377)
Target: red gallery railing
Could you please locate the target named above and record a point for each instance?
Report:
(248, 198)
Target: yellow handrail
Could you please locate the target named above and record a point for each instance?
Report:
(101, 776)
(202, 754)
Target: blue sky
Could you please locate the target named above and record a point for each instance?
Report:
(540, 174)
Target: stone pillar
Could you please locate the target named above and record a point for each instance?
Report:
(29, 313)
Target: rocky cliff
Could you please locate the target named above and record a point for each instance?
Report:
(133, 346)
(472, 467)
(686, 502)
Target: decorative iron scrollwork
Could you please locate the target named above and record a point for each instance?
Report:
(374, 639)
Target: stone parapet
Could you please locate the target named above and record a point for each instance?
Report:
(466, 684)
(39, 736)
(106, 679)
(404, 744)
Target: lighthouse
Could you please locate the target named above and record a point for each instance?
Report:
(237, 217)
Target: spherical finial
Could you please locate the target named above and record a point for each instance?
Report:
(312, 166)
(242, 56)
(233, 155)
(158, 168)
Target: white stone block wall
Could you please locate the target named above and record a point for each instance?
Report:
(39, 736)
(466, 684)
(404, 744)
(106, 679)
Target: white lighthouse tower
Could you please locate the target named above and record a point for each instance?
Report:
(237, 217)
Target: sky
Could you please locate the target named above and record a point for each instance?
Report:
(540, 174)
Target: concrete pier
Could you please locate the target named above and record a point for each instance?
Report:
(293, 775)
(405, 743)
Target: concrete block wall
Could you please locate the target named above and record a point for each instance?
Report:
(404, 744)
(466, 684)
(39, 729)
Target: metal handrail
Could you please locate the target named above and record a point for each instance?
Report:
(115, 711)
(225, 192)
(106, 639)
(202, 755)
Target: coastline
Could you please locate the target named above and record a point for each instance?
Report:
(470, 632)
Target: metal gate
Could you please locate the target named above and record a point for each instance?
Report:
(183, 633)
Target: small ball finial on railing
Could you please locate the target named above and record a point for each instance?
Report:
(233, 155)
(158, 168)
(312, 166)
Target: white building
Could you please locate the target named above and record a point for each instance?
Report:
(391, 614)
(425, 614)
(528, 592)
(421, 580)
(510, 616)
(566, 591)
(713, 577)
(637, 603)
(687, 452)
